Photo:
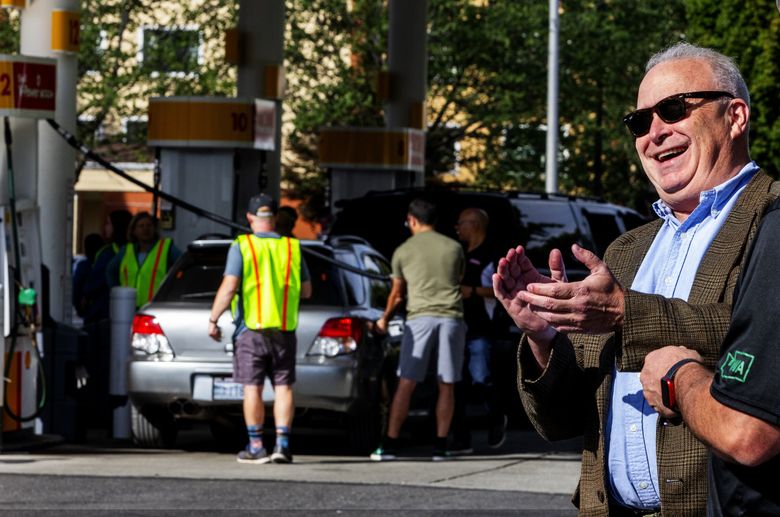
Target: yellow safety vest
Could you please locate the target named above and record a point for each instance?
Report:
(271, 284)
(149, 276)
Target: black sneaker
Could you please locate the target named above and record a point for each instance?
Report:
(442, 455)
(281, 455)
(460, 447)
(497, 433)
(247, 456)
(382, 454)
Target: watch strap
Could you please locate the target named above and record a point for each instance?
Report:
(668, 392)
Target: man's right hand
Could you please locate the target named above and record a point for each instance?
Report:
(515, 271)
(214, 331)
(381, 325)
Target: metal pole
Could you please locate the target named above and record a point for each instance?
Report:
(551, 172)
(122, 310)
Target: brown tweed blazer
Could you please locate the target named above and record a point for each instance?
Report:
(570, 398)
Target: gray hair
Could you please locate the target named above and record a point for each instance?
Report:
(725, 70)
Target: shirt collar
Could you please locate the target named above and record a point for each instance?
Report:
(712, 201)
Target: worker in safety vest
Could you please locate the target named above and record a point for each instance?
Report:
(143, 262)
(270, 276)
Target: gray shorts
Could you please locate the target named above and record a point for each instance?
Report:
(424, 334)
(264, 352)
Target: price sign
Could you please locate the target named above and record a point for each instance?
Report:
(211, 122)
(65, 28)
(27, 86)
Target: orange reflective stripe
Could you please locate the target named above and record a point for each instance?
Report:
(160, 247)
(286, 284)
(257, 281)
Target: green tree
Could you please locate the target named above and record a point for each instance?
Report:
(114, 83)
(333, 54)
(748, 31)
(604, 47)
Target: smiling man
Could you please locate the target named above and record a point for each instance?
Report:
(670, 281)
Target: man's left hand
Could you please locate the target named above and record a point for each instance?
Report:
(593, 306)
(657, 363)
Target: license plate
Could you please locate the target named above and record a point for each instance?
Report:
(225, 389)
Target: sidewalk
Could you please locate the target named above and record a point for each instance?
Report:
(525, 464)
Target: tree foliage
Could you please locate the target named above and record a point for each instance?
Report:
(333, 54)
(114, 80)
(748, 31)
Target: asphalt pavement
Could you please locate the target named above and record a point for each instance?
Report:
(110, 477)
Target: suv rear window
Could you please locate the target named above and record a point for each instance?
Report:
(198, 274)
(549, 224)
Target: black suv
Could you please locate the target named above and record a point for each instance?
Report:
(540, 222)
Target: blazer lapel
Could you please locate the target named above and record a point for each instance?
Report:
(730, 244)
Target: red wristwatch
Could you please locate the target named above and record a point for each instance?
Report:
(667, 383)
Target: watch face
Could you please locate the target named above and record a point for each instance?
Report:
(667, 391)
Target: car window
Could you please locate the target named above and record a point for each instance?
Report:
(380, 289)
(352, 281)
(604, 227)
(549, 224)
(197, 276)
(325, 279)
(632, 220)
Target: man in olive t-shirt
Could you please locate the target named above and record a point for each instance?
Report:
(429, 268)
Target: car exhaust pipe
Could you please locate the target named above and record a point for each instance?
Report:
(190, 408)
(176, 407)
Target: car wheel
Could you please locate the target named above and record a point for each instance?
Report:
(153, 428)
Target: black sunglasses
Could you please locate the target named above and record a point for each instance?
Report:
(671, 109)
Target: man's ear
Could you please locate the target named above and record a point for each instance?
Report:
(739, 117)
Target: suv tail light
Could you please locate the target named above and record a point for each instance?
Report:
(148, 339)
(338, 336)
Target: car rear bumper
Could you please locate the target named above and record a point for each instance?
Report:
(334, 387)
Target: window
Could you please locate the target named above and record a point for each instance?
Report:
(170, 50)
(380, 289)
(604, 228)
(135, 131)
(548, 224)
(353, 281)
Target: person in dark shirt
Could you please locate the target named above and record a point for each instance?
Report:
(734, 409)
(478, 306)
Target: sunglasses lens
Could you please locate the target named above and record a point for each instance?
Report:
(671, 110)
(639, 122)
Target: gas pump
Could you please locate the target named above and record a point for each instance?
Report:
(27, 93)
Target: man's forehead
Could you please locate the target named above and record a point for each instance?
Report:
(673, 77)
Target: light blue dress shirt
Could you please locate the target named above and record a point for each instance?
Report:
(668, 269)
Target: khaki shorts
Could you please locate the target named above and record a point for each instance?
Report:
(265, 352)
(427, 334)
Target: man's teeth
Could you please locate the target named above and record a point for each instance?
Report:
(666, 155)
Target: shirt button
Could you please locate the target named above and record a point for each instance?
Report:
(633, 428)
(643, 485)
(668, 280)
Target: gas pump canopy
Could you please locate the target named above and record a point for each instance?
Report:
(27, 86)
(212, 122)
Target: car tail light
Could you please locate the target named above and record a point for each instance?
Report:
(338, 336)
(148, 339)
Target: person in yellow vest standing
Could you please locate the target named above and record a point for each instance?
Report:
(268, 273)
(143, 262)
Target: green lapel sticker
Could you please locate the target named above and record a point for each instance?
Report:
(737, 366)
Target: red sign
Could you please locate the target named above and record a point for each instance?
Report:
(27, 86)
(36, 86)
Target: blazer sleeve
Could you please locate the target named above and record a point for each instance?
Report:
(556, 398)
